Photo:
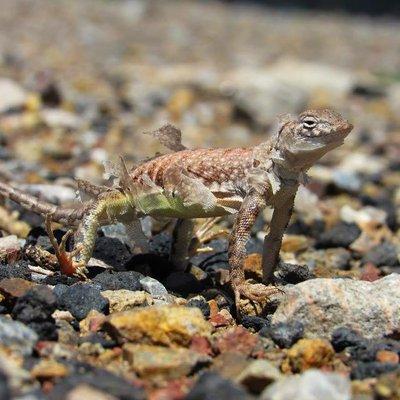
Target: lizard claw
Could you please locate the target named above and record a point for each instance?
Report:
(68, 266)
(256, 292)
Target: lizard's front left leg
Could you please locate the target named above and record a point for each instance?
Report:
(251, 206)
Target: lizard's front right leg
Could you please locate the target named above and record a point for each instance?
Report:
(251, 207)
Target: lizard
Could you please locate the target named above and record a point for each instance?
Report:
(202, 183)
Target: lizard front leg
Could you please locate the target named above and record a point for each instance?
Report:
(251, 207)
(273, 241)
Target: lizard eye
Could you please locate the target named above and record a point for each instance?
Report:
(309, 123)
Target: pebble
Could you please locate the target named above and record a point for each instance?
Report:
(156, 362)
(211, 386)
(183, 283)
(165, 325)
(114, 280)
(292, 273)
(308, 353)
(17, 336)
(255, 323)
(284, 334)
(15, 287)
(323, 305)
(155, 288)
(13, 95)
(385, 254)
(258, 375)
(311, 385)
(35, 308)
(345, 337)
(123, 300)
(5, 392)
(201, 303)
(81, 298)
(341, 235)
(112, 251)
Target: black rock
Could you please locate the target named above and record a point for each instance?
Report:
(200, 303)
(99, 379)
(5, 393)
(255, 323)
(341, 235)
(211, 386)
(284, 334)
(384, 202)
(81, 298)
(299, 227)
(383, 254)
(345, 337)
(292, 273)
(18, 270)
(114, 280)
(183, 283)
(112, 251)
(160, 244)
(363, 370)
(217, 257)
(35, 309)
(366, 351)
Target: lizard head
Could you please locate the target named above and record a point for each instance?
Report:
(306, 138)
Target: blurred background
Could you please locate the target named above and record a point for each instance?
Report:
(80, 81)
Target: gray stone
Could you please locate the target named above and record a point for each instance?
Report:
(155, 289)
(12, 95)
(17, 336)
(311, 385)
(323, 305)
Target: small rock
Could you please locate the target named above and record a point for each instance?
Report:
(86, 392)
(258, 374)
(13, 96)
(152, 362)
(326, 260)
(385, 356)
(98, 379)
(211, 386)
(114, 280)
(48, 369)
(323, 305)
(311, 385)
(57, 118)
(15, 287)
(200, 302)
(363, 370)
(113, 252)
(17, 336)
(166, 325)
(237, 339)
(156, 289)
(35, 308)
(284, 334)
(346, 180)
(79, 299)
(341, 235)
(123, 300)
(19, 270)
(383, 254)
(306, 354)
(345, 337)
(183, 283)
(255, 323)
(10, 248)
(294, 243)
(292, 273)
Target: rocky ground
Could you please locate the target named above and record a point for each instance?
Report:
(80, 82)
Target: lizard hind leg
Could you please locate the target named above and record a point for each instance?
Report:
(65, 259)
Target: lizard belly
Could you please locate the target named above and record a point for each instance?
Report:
(160, 205)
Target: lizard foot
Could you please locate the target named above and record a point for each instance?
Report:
(68, 266)
(256, 292)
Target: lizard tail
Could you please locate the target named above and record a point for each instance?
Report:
(66, 216)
